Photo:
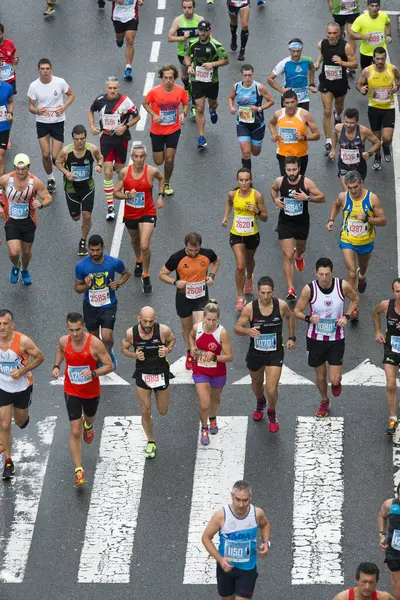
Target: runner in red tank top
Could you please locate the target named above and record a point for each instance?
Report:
(140, 212)
(367, 577)
(82, 351)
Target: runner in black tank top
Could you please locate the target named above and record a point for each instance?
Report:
(389, 536)
(152, 364)
(350, 154)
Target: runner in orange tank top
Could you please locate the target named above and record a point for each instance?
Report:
(82, 352)
(140, 218)
(367, 577)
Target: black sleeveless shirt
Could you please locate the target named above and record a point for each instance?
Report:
(152, 363)
(270, 327)
(295, 211)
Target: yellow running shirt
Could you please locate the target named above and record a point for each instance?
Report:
(379, 86)
(353, 231)
(364, 24)
(244, 221)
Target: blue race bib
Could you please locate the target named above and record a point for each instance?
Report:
(266, 342)
(137, 201)
(18, 211)
(293, 207)
(6, 367)
(80, 172)
(395, 341)
(288, 135)
(326, 326)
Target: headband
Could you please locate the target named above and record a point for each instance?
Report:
(295, 46)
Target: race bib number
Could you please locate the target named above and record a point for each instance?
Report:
(137, 201)
(246, 115)
(154, 381)
(7, 367)
(266, 342)
(76, 377)
(111, 122)
(333, 72)
(195, 290)
(3, 113)
(395, 342)
(80, 172)
(326, 326)
(375, 38)
(381, 94)
(357, 228)
(6, 72)
(396, 539)
(244, 224)
(288, 135)
(238, 551)
(203, 361)
(204, 75)
(18, 211)
(168, 117)
(99, 297)
(302, 94)
(293, 208)
(127, 3)
(50, 115)
(348, 6)
(350, 156)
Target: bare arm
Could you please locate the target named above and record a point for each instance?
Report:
(241, 327)
(315, 135)
(376, 143)
(32, 106)
(269, 100)
(101, 354)
(350, 293)
(289, 315)
(127, 343)
(81, 286)
(164, 275)
(315, 193)
(226, 354)
(335, 210)
(60, 160)
(231, 100)
(362, 82)
(70, 98)
(41, 191)
(271, 80)
(210, 531)
(262, 215)
(29, 346)
(379, 219)
(272, 123)
(59, 357)
(302, 303)
(383, 517)
(172, 37)
(380, 308)
(168, 336)
(118, 193)
(351, 62)
(228, 208)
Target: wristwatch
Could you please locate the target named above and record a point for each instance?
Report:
(94, 374)
(162, 194)
(348, 317)
(293, 338)
(307, 318)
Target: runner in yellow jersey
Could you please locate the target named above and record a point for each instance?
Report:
(373, 29)
(380, 81)
(362, 212)
(248, 206)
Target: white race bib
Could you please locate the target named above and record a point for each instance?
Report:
(204, 75)
(80, 172)
(202, 360)
(75, 375)
(265, 342)
(195, 290)
(357, 228)
(99, 297)
(293, 207)
(302, 94)
(350, 156)
(244, 224)
(333, 72)
(348, 6)
(3, 113)
(375, 38)
(110, 122)
(381, 94)
(288, 135)
(137, 201)
(50, 115)
(6, 72)
(168, 117)
(326, 326)
(6, 367)
(18, 211)
(396, 539)
(237, 550)
(154, 381)
(395, 342)
(246, 115)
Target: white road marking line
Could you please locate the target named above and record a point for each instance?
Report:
(318, 501)
(288, 377)
(30, 458)
(181, 374)
(396, 459)
(114, 503)
(143, 113)
(161, 4)
(396, 168)
(110, 379)
(159, 26)
(217, 468)
(155, 51)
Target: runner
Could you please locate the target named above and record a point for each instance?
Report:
(22, 194)
(389, 526)
(344, 13)
(289, 127)
(193, 277)
(373, 29)
(8, 60)
(117, 114)
(210, 348)
(184, 31)
(140, 216)
(19, 355)
(337, 57)
(151, 342)
(248, 206)
(266, 350)
(362, 212)
(380, 81)
(162, 103)
(325, 327)
(292, 194)
(75, 161)
(6, 119)
(351, 139)
(252, 99)
(49, 98)
(125, 18)
(83, 353)
(50, 8)
(236, 9)
(298, 72)
(237, 524)
(391, 352)
(203, 56)
(367, 577)
(95, 278)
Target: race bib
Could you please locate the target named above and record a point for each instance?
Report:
(168, 117)
(50, 115)
(395, 342)
(246, 115)
(266, 342)
(326, 326)
(111, 122)
(137, 201)
(80, 172)
(348, 6)
(204, 75)
(396, 539)
(6, 72)
(288, 135)
(381, 94)
(3, 113)
(76, 377)
(239, 3)
(7, 367)
(237, 550)
(154, 381)
(18, 211)
(333, 72)
(375, 38)
(202, 361)
(244, 224)
(127, 3)
(293, 207)
(195, 290)
(302, 94)
(357, 228)
(99, 297)
(350, 156)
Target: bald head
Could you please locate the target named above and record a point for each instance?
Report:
(146, 318)
(147, 312)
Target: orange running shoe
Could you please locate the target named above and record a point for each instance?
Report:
(79, 477)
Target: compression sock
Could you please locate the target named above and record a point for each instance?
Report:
(244, 36)
(109, 191)
(233, 32)
(246, 162)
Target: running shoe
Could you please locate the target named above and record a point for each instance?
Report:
(248, 286)
(336, 390)
(101, 3)
(323, 410)
(113, 358)
(82, 250)
(240, 303)
(241, 55)
(201, 142)
(146, 285)
(260, 2)
(354, 315)
(168, 191)
(362, 283)
(138, 269)
(258, 412)
(87, 434)
(291, 294)
(328, 148)
(273, 424)
(26, 277)
(128, 74)
(14, 274)
(337, 118)
(193, 112)
(299, 262)
(9, 469)
(204, 438)
(110, 216)
(150, 450)
(213, 116)
(234, 44)
(387, 153)
(392, 426)
(120, 43)
(377, 166)
(79, 477)
(210, 1)
(49, 10)
(189, 361)
(51, 184)
(213, 426)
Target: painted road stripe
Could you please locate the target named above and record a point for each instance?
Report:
(143, 113)
(161, 4)
(318, 501)
(159, 26)
(114, 503)
(110, 379)
(30, 455)
(288, 377)
(155, 51)
(217, 468)
(396, 169)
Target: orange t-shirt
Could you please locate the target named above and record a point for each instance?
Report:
(166, 104)
(288, 144)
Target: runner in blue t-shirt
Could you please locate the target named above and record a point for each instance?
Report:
(6, 115)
